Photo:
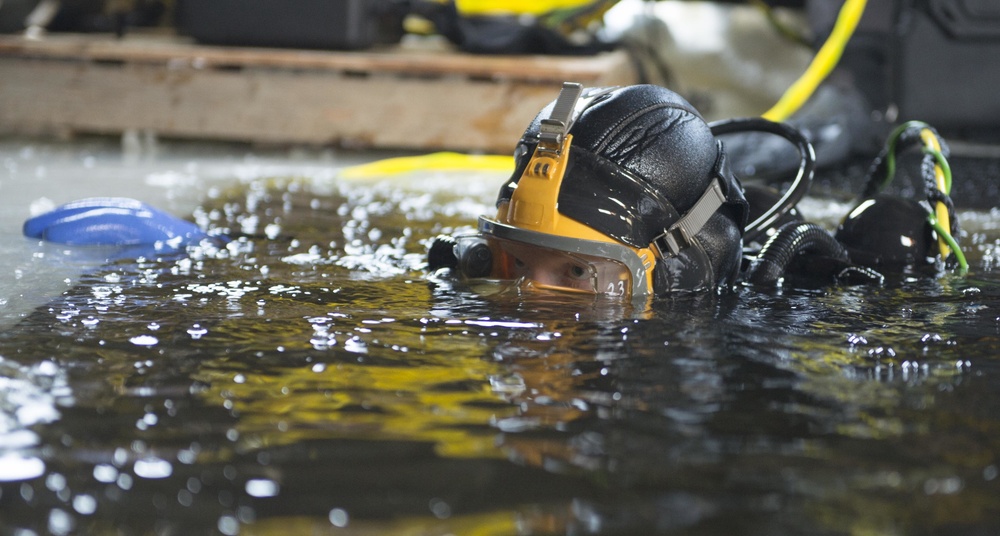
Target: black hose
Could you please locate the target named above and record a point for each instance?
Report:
(441, 254)
(791, 240)
(803, 179)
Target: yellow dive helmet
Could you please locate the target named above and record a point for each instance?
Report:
(618, 191)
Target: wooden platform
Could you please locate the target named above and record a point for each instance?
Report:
(410, 97)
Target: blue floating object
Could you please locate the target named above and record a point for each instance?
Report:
(112, 221)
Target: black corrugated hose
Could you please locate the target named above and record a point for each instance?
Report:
(795, 239)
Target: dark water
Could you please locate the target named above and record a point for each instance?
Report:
(309, 379)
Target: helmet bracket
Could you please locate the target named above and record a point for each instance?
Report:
(555, 127)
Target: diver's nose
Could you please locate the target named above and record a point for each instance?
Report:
(541, 277)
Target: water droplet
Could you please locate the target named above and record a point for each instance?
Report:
(930, 337)
(153, 468)
(990, 473)
(272, 230)
(85, 504)
(15, 467)
(60, 522)
(261, 487)
(144, 340)
(55, 482)
(339, 517)
(196, 331)
(105, 473)
(187, 456)
(229, 525)
(440, 509)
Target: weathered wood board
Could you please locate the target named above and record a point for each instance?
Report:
(405, 98)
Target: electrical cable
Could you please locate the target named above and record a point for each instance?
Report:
(822, 64)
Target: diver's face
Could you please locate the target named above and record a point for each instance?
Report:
(552, 262)
(551, 270)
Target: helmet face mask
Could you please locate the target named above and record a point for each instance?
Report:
(547, 266)
(559, 261)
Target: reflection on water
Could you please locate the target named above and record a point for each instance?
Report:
(308, 378)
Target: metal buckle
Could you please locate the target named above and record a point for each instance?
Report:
(679, 235)
(671, 242)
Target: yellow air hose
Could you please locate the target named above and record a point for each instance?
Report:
(943, 183)
(824, 62)
(442, 161)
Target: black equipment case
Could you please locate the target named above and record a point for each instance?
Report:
(320, 24)
(946, 63)
(933, 60)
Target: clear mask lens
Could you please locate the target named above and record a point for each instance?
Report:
(546, 268)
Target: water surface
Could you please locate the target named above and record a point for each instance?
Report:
(309, 377)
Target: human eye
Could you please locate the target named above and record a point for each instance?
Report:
(576, 271)
(519, 266)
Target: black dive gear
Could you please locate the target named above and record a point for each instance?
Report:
(803, 248)
(766, 221)
(896, 232)
(627, 192)
(888, 231)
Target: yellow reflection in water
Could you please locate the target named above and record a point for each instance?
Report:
(486, 524)
(345, 358)
(450, 405)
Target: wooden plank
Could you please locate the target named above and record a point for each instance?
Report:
(414, 59)
(280, 96)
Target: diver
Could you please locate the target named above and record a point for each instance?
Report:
(626, 192)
